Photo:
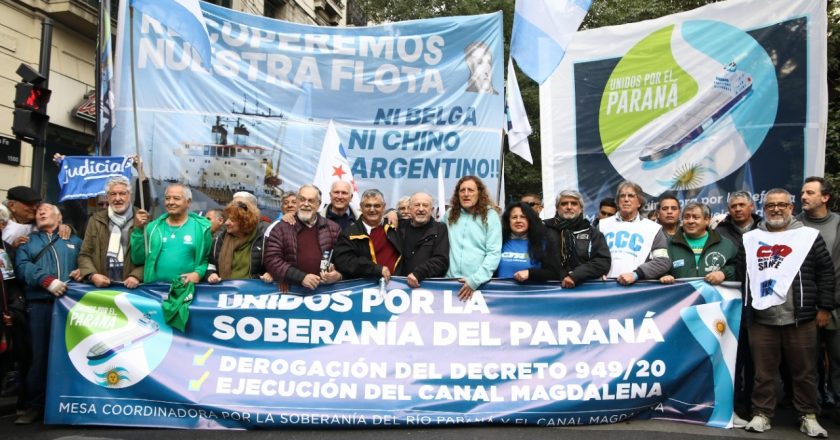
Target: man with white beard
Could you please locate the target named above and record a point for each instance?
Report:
(104, 256)
(300, 253)
(584, 254)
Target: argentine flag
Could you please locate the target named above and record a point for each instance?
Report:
(715, 327)
(541, 31)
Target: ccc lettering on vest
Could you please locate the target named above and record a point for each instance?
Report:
(624, 239)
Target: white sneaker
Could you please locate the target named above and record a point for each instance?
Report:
(737, 422)
(759, 423)
(811, 427)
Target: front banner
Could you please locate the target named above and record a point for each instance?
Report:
(355, 354)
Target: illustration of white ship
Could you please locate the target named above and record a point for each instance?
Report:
(730, 88)
(129, 336)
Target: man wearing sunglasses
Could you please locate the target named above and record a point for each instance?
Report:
(534, 200)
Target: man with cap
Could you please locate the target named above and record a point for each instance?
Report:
(584, 253)
(22, 201)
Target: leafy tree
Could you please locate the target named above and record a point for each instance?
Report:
(832, 141)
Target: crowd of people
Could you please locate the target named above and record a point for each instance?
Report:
(786, 264)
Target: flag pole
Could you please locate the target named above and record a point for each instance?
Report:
(97, 139)
(134, 103)
(134, 113)
(501, 168)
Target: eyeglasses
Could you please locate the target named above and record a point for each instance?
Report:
(775, 206)
(303, 201)
(534, 204)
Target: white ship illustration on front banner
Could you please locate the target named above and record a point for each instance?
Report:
(730, 88)
(130, 335)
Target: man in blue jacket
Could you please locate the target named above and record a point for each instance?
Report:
(45, 263)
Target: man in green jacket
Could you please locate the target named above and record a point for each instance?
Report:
(176, 244)
(696, 251)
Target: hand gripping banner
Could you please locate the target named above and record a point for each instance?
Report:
(353, 354)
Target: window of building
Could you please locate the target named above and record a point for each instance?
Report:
(222, 3)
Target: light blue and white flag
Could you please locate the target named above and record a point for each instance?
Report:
(518, 128)
(184, 17)
(541, 31)
(105, 93)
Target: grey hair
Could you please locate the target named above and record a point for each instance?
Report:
(245, 195)
(54, 208)
(308, 185)
(741, 195)
(349, 186)
(569, 193)
(186, 190)
(419, 193)
(117, 180)
(707, 213)
(777, 191)
(640, 195)
(404, 199)
(5, 214)
(217, 213)
(370, 193)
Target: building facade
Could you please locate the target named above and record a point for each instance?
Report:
(72, 70)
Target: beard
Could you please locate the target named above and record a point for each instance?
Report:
(778, 223)
(305, 216)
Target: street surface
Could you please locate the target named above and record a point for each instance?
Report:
(784, 428)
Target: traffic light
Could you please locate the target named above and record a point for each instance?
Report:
(30, 114)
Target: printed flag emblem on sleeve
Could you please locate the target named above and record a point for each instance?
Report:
(542, 30)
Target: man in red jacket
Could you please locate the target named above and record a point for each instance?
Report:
(299, 253)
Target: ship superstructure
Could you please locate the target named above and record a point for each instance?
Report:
(729, 89)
